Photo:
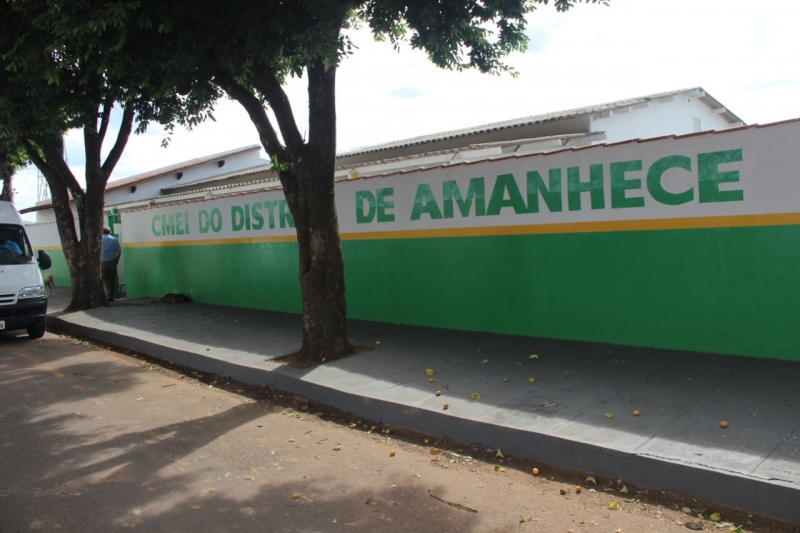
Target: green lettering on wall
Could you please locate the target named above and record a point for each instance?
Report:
(168, 224)
(285, 214)
(476, 191)
(156, 231)
(361, 216)
(179, 227)
(594, 187)
(258, 218)
(425, 203)
(270, 206)
(506, 183)
(552, 196)
(203, 222)
(656, 188)
(237, 217)
(216, 220)
(384, 204)
(619, 184)
(710, 176)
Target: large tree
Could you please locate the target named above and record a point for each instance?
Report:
(248, 49)
(64, 65)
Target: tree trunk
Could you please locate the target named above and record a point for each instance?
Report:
(322, 284)
(82, 253)
(7, 194)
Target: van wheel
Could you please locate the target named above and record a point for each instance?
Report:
(37, 331)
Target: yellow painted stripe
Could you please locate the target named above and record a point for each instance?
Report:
(48, 247)
(783, 219)
(739, 221)
(207, 242)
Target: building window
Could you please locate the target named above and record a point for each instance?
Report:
(696, 124)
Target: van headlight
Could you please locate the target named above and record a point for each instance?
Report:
(32, 292)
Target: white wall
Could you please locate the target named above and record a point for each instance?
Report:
(151, 187)
(660, 118)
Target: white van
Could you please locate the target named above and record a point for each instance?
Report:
(23, 300)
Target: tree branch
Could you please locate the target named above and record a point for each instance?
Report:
(53, 164)
(122, 139)
(108, 105)
(322, 106)
(256, 111)
(267, 84)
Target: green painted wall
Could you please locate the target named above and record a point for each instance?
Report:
(728, 290)
(59, 268)
(262, 276)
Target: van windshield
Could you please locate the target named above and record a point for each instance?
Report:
(14, 246)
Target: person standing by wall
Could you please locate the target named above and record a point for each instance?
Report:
(108, 262)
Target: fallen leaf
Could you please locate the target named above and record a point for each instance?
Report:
(609, 415)
(429, 372)
(549, 404)
(614, 506)
(301, 497)
(499, 469)
(476, 396)
(715, 517)
(435, 451)
(737, 530)
(139, 399)
(590, 479)
(499, 454)
(523, 519)
(337, 448)
(505, 380)
(531, 380)
(248, 478)
(624, 489)
(377, 342)
(534, 356)
(484, 361)
(292, 440)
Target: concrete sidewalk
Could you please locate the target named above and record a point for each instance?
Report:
(675, 444)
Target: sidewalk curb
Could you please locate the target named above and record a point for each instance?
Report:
(772, 498)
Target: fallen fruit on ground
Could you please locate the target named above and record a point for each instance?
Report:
(505, 380)
(435, 451)
(636, 413)
(531, 380)
(578, 490)
(446, 406)
(723, 424)
(614, 506)
(392, 453)
(353, 426)
(429, 372)
(388, 431)
(535, 471)
(438, 393)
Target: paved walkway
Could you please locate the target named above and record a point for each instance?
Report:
(562, 418)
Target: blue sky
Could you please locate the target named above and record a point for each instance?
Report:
(742, 52)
